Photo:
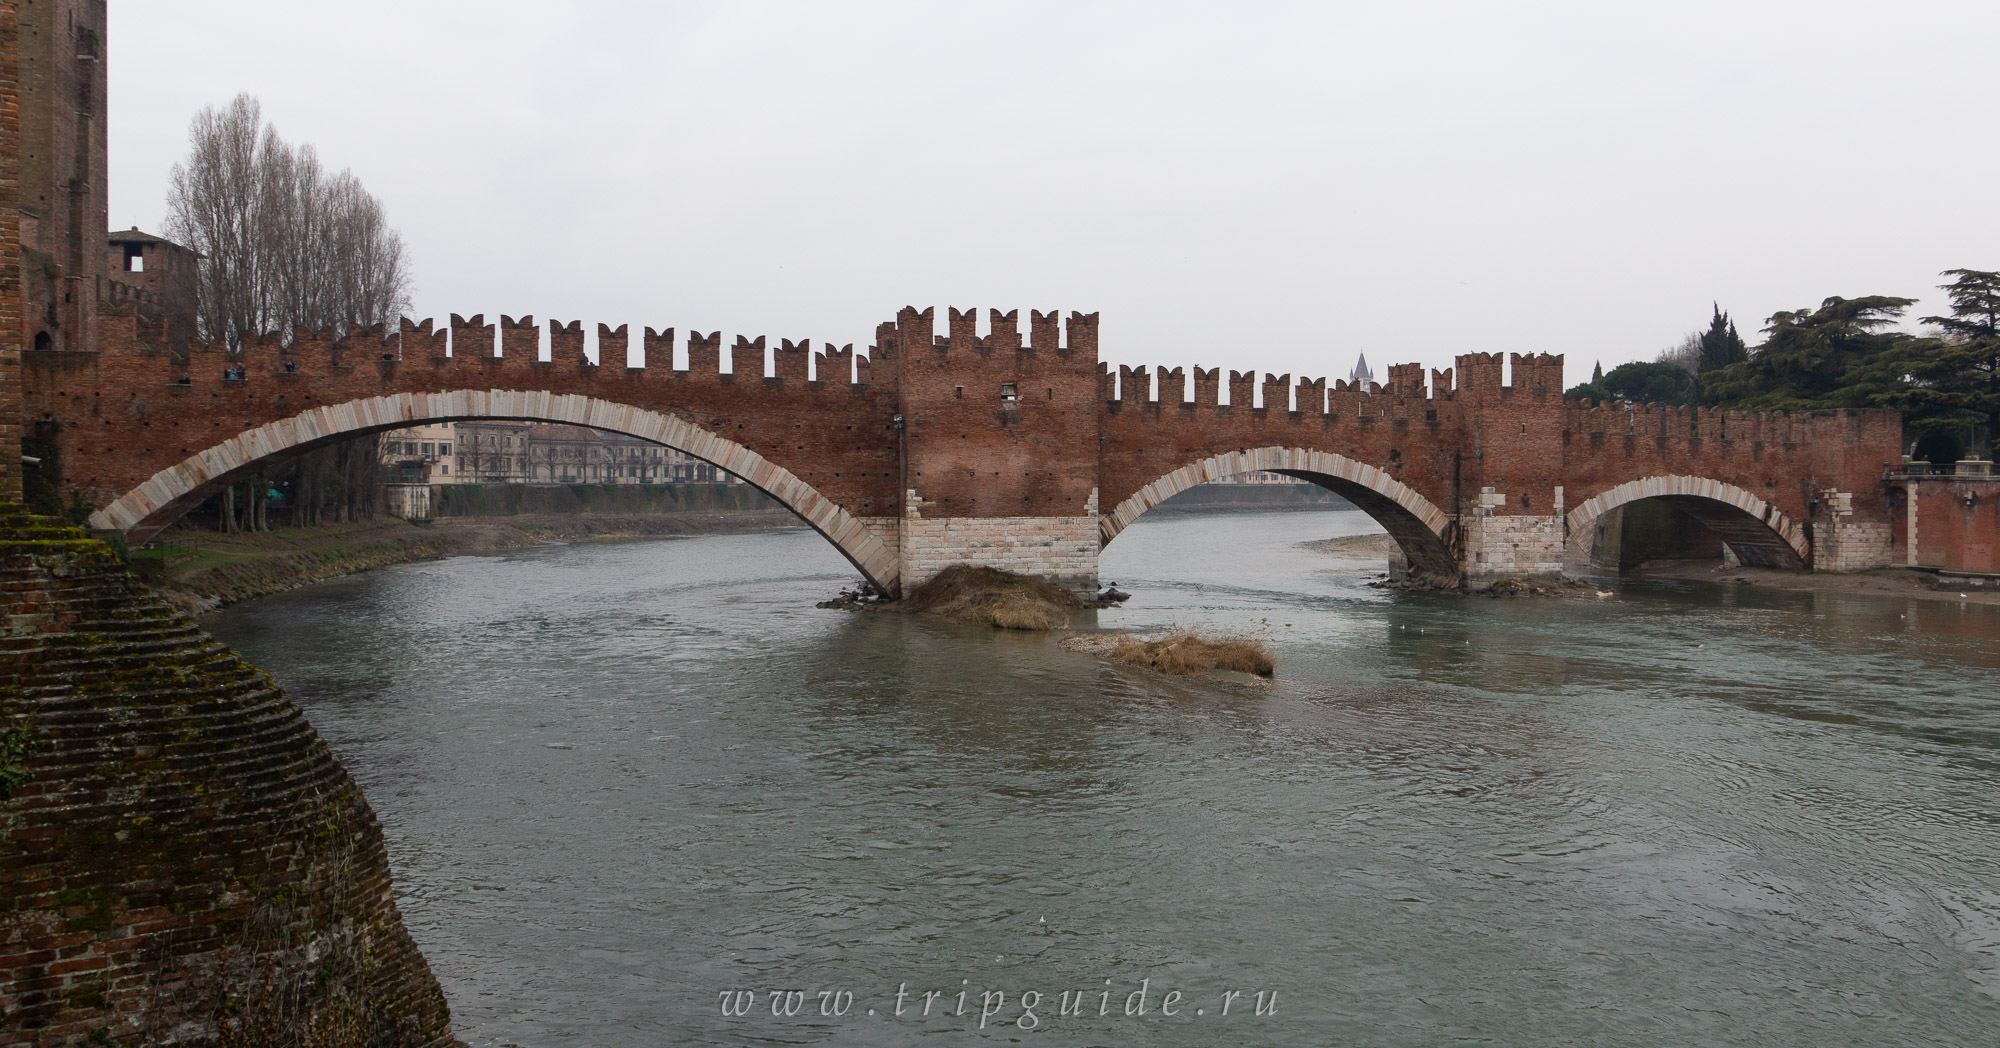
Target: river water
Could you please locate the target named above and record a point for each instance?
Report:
(626, 784)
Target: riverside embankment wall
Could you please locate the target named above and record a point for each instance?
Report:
(182, 860)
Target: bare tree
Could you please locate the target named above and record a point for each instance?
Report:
(284, 246)
(1685, 354)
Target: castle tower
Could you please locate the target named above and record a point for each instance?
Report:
(62, 194)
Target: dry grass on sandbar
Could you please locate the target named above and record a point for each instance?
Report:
(993, 597)
(1190, 654)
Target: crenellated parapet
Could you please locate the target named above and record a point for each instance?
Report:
(471, 338)
(509, 346)
(1048, 337)
(983, 422)
(817, 414)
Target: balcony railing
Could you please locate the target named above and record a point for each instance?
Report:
(1913, 469)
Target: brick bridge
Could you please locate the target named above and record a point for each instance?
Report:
(932, 449)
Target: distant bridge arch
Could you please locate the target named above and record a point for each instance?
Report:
(1759, 533)
(164, 497)
(1422, 530)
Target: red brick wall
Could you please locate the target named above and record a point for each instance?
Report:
(11, 304)
(971, 454)
(130, 409)
(1953, 534)
(61, 157)
(1786, 459)
(1523, 440)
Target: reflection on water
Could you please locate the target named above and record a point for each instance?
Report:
(619, 780)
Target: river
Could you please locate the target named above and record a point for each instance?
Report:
(627, 787)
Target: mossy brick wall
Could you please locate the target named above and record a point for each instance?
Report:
(184, 861)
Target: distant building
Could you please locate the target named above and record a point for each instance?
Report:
(490, 453)
(1259, 477)
(535, 453)
(1362, 374)
(419, 455)
(152, 264)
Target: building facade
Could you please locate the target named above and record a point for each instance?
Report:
(502, 452)
(419, 455)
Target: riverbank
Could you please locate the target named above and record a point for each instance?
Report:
(201, 571)
(1377, 546)
(1882, 582)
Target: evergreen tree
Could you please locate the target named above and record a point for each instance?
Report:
(1721, 346)
(1816, 358)
(1647, 382)
(1950, 384)
(1597, 374)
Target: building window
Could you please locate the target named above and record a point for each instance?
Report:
(1009, 392)
(444, 449)
(444, 469)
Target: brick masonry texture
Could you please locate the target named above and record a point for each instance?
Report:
(11, 291)
(998, 427)
(1957, 523)
(185, 862)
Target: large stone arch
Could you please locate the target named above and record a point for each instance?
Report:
(1759, 533)
(1423, 531)
(157, 502)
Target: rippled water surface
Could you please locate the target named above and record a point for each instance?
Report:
(621, 780)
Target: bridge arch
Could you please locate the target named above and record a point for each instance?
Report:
(1759, 533)
(1422, 530)
(157, 502)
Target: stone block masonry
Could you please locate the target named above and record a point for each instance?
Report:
(1060, 549)
(1498, 547)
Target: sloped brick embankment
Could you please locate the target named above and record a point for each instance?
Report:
(181, 858)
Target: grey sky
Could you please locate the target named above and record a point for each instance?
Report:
(1246, 185)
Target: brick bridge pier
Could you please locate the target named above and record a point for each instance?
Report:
(1023, 453)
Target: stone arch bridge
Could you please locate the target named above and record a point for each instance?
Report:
(987, 447)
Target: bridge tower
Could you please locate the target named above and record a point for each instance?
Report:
(998, 444)
(1510, 482)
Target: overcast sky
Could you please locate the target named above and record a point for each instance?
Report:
(1277, 186)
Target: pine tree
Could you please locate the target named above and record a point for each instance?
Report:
(1948, 385)
(1597, 374)
(1721, 346)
